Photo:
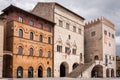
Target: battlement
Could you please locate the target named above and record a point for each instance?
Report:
(102, 20)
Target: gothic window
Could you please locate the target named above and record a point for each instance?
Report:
(96, 58)
(105, 32)
(113, 36)
(31, 36)
(20, 33)
(69, 37)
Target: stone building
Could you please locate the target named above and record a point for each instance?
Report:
(68, 36)
(117, 66)
(1, 44)
(100, 56)
(29, 44)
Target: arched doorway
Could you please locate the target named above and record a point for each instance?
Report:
(49, 72)
(74, 65)
(19, 72)
(30, 72)
(107, 73)
(40, 72)
(112, 73)
(7, 66)
(64, 69)
(97, 71)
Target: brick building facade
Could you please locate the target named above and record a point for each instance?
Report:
(30, 40)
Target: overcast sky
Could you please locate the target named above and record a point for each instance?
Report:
(89, 9)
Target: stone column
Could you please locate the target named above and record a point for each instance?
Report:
(1, 45)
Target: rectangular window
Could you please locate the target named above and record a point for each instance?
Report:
(79, 31)
(49, 28)
(67, 26)
(31, 23)
(74, 51)
(93, 33)
(59, 48)
(113, 36)
(49, 40)
(20, 19)
(105, 32)
(41, 26)
(109, 34)
(74, 29)
(60, 23)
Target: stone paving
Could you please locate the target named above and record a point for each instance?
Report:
(62, 79)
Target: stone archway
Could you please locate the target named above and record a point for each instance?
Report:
(64, 69)
(97, 71)
(40, 72)
(112, 72)
(107, 73)
(75, 65)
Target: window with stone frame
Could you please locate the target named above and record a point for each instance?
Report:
(60, 23)
(81, 57)
(41, 38)
(67, 50)
(20, 50)
(40, 52)
(105, 32)
(49, 54)
(49, 28)
(31, 52)
(49, 40)
(31, 36)
(59, 48)
(67, 26)
(20, 33)
(20, 19)
(31, 23)
(40, 26)
(93, 33)
(74, 28)
(113, 36)
(74, 51)
(79, 31)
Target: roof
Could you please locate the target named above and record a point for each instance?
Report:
(12, 6)
(64, 8)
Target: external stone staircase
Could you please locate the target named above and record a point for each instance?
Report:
(79, 70)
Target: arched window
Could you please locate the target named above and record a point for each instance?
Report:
(20, 33)
(49, 72)
(31, 52)
(96, 58)
(40, 53)
(49, 53)
(49, 40)
(19, 72)
(20, 50)
(31, 36)
(30, 72)
(41, 38)
(40, 71)
(75, 65)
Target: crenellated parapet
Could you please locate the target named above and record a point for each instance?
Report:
(98, 20)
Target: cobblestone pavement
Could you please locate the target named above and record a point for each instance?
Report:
(63, 79)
